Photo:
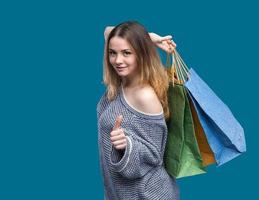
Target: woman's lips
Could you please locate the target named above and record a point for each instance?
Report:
(120, 68)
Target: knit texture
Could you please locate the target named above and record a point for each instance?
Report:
(137, 173)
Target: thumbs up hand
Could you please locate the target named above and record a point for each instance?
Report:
(118, 138)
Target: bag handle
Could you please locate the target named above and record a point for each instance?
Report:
(178, 71)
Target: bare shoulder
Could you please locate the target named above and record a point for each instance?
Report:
(147, 100)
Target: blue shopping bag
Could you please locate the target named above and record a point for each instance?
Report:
(224, 133)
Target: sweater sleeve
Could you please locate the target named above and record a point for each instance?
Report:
(101, 105)
(144, 151)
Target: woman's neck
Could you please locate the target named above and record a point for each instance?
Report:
(132, 84)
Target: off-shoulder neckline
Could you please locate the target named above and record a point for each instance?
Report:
(135, 110)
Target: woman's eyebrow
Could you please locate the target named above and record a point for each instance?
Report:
(121, 50)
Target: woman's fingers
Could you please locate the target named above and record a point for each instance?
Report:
(117, 136)
(168, 39)
(167, 45)
(171, 42)
(118, 139)
(116, 132)
(119, 142)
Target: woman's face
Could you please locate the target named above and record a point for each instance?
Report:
(122, 57)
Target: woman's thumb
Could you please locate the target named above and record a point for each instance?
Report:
(118, 122)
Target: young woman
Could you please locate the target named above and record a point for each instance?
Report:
(131, 116)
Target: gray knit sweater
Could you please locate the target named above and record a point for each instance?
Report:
(137, 173)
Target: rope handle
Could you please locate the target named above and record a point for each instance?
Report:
(177, 70)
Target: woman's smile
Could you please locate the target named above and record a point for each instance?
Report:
(119, 67)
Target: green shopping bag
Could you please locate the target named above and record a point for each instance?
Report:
(182, 156)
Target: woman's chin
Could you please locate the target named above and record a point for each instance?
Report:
(122, 74)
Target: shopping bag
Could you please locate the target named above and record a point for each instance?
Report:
(218, 134)
(205, 150)
(224, 133)
(182, 156)
(178, 73)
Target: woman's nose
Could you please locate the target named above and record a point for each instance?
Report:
(118, 59)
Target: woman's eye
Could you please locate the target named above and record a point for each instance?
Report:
(126, 53)
(111, 53)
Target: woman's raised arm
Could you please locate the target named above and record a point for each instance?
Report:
(163, 42)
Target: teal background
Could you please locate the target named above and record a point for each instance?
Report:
(51, 80)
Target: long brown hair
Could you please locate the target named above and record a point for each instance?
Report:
(152, 71)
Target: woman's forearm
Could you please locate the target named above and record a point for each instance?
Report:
(165, 43)
(108, 29)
